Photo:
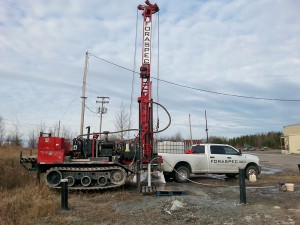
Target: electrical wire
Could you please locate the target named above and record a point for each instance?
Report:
(157, 89)
(13, 123)
(134, 66)
(16, 122)
(91, 110)
(71, 102)
(200, 89)
(107, 61)
(157, 76)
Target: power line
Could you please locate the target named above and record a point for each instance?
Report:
(16, 122)
(199, 89)
(91, 110)
(134, 66)
(231, 95)
(12, 122)
(71, 102)
(122, 67)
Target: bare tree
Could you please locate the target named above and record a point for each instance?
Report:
(2, 132)
(41, 128)
(16, 136)
(8, 139)
(122, 121)
(66, 132)
(176, 137)
(33, 139)
(54, 130)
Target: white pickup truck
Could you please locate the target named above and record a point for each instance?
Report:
(209, 159)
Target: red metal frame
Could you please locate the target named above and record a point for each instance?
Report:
(145, 100)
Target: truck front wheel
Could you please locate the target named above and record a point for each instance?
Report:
(251, 170)
(182, 174)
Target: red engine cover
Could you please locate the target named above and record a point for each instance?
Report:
(52, 149)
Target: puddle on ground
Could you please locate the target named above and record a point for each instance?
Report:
(270, 170)
(217, 176)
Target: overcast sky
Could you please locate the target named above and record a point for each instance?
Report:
(214, 51)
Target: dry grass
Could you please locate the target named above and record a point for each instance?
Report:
(25, 202)
(21, 199)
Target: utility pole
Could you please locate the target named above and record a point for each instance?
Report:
(190, 129)
(83, 98)
(58, 128)
(206, 130)
(102, 110)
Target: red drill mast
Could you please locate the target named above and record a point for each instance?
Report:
(145, 100)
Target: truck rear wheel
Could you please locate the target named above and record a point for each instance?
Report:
(182, 174)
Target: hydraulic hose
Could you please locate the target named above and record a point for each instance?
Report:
(168, 116)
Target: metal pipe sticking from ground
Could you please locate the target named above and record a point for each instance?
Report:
(149, 174)
(242, 186)
(64, 194)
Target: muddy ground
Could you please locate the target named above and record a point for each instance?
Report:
(208, 200)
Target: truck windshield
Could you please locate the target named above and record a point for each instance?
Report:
(230, 151)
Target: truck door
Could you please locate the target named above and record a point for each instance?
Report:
(200, 164)
(234, 159)
(223, 159)
(216, 159)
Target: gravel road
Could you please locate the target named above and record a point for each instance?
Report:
(275, 159)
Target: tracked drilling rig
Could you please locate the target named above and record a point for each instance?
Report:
(90, 163)
(145, 100)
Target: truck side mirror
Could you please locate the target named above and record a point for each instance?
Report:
(240, 152)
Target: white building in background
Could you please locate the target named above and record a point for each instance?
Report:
(291, 138)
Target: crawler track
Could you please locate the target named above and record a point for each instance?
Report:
(87, 178)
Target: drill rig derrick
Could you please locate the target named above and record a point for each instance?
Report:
(94, 164)
(145, 100)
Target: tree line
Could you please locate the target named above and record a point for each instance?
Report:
(270, 139)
